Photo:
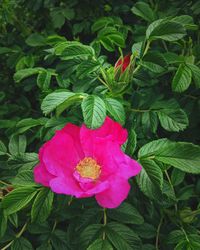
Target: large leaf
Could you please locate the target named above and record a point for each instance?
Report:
(3, 222)
(182, 155)
(56, 99)
(94, 111)
(116, 109)
(122, 237)
(42, 205)
(150, 179)
(100, 245)
(18, 199)
(126, 213)
(173, 119)
(182, 78)
(165, 30)
(21, 244)
(144, 11)
(89, 234)
(195, 74)
(23, 73)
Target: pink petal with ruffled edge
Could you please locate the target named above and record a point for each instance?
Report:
(60, 155)
(115, 194)
(41, 175)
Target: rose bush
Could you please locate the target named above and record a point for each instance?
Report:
(99, 125)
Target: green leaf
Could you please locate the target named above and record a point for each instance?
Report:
(195, 74)
(35, 40)
(3, 149)
(100, 244)
(3, 223)
(122, 237)
(126, 213)
(182, 78)
(56, 99)
(24, 73)
(132, 142)
(24, 178)
(182, 155)
(17, 144)
(42, 205)
(150, 179)
(165, 30)
(89, 234)
(18, 199)
(173, 119)
(177, 177)
(44, 79)
(115, 109)
(155, 62)
(27, 123)
(94, 111)
(86, 68)
(21, 244)
(74, 50)
(144, 11)
(101, 23)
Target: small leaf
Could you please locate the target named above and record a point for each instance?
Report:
(182, 78)
(17, 144)
(116, 109)
(18, 199)
(94, 111)
(42, 205)
(44, 79)
(3, 149)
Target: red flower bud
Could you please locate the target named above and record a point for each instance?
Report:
(123, 62)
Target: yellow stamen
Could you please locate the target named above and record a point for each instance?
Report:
(88, 168)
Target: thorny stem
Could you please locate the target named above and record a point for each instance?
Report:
(172, 187)
(104, 222)
(18, 235)
(158, 232)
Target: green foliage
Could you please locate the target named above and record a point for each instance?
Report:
(57, 66)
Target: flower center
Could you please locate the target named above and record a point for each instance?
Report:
(88, 168)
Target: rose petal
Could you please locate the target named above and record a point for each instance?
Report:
(115, 194)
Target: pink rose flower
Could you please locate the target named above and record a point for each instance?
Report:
(83, 162)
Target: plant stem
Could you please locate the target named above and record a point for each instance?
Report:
(4, 183)
(18, 235)
(145, 51)
(22, 230)
(158, 232)
(104, 222)
(172, 187)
